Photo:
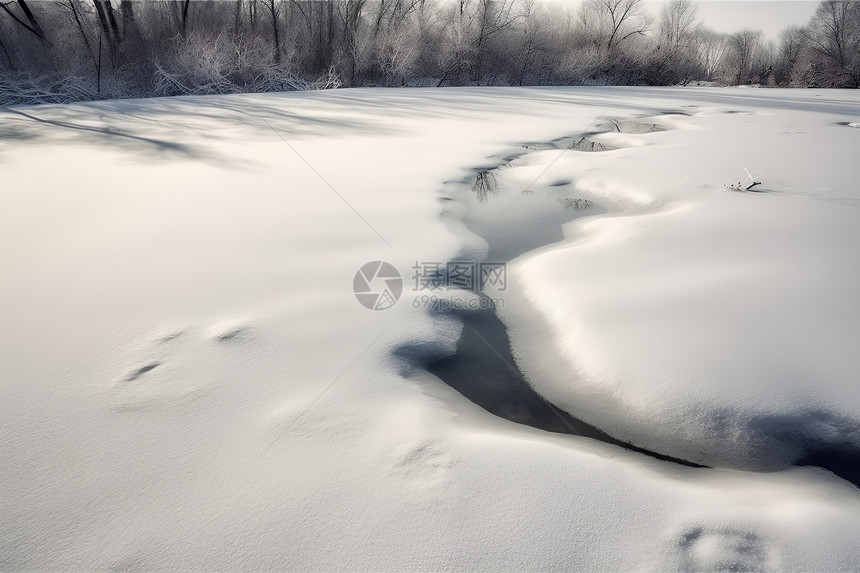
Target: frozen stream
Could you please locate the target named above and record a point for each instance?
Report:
(512, 221)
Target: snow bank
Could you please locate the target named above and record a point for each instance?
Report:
(711, 325)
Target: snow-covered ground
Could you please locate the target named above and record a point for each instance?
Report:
(188, 381)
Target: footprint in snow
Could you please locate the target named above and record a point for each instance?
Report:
(136, 373)
(676, 112)
(561, 183)
(422, 466)
(159, 350)
(232, 334)
(714, 548)
(174, 365)
(230, 331)
(169, 337)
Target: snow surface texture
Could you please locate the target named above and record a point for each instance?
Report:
(187, 381)
(702, 323)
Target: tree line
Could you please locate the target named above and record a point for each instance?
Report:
(66, 50)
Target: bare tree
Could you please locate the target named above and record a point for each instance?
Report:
(626, 18)
(112, 21)
(106, 28)
(353, 12)
(31, 25)
(678, 21)
(75, 10)
(492, 16)
(743, 46)
(6, 52)
(529, 39)
(274, 12)
(184, 19)
(711, 48)
(472, 26)
(792, 45)
(219, 46)
(675, 54)
(834, 35)
(30, 17)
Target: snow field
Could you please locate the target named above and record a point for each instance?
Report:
(188, 381)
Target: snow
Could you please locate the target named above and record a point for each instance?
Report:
(713, 326)
(189, 382)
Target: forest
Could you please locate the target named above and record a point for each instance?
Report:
(74, 50)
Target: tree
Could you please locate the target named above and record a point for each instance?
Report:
(743, 47)
(527, 48)
(676, 60)
(31, 25)
(75, 10)
(792, 45)
(623, 19)
(218, 46)
(184, 26)
(493, 16)
(106, 27)
(472, 26)
(273, 11)
(710, 51)
(678, 22)
(6, 52)
(834, 36)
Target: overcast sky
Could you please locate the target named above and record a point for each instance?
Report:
(769, 16)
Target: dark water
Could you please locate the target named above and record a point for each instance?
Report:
(844, 462)
(484, 371)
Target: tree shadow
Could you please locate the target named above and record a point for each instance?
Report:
(195, 128)
(191, 127)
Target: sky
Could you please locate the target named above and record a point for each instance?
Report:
(769, 16)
